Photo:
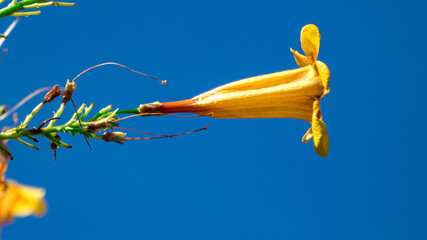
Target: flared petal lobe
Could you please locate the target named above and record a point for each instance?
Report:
(310, 41)
(301, 60)
(319, 133)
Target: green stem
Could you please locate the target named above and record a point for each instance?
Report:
(57, 142)
(5, 150)
(25, 14)
(87, 111)
(74, 117)
(102, 112)
(27, 144)
(70, 127)
(57, 114)
(16, 6)
(129, 111)
(31, 115)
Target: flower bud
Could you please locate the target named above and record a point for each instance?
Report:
(155, 107)
(96, 126)
(52, 94)
(118, 137)
(68, 92)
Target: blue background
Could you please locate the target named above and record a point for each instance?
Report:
(241, 179)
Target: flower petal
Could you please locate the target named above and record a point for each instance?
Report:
(301, 60)
(21, 201)
(325, 75)
(308, 135)
(320, 138)
(31, 202)
(310, 41)
(320, 135)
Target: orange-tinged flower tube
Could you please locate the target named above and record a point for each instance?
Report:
(17, 200)
(288, 94)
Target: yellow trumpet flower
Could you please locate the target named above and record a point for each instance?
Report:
(288, 94)
(17, 200)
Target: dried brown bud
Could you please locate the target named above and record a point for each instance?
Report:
(117, 137)
(96, 126)
(68, 92)
(53, 145)
(155, 107)
(52, 94)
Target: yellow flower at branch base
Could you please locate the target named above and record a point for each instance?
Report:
(17, 200)
(288, 94)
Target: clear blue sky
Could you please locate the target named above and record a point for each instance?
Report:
(241, 179)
